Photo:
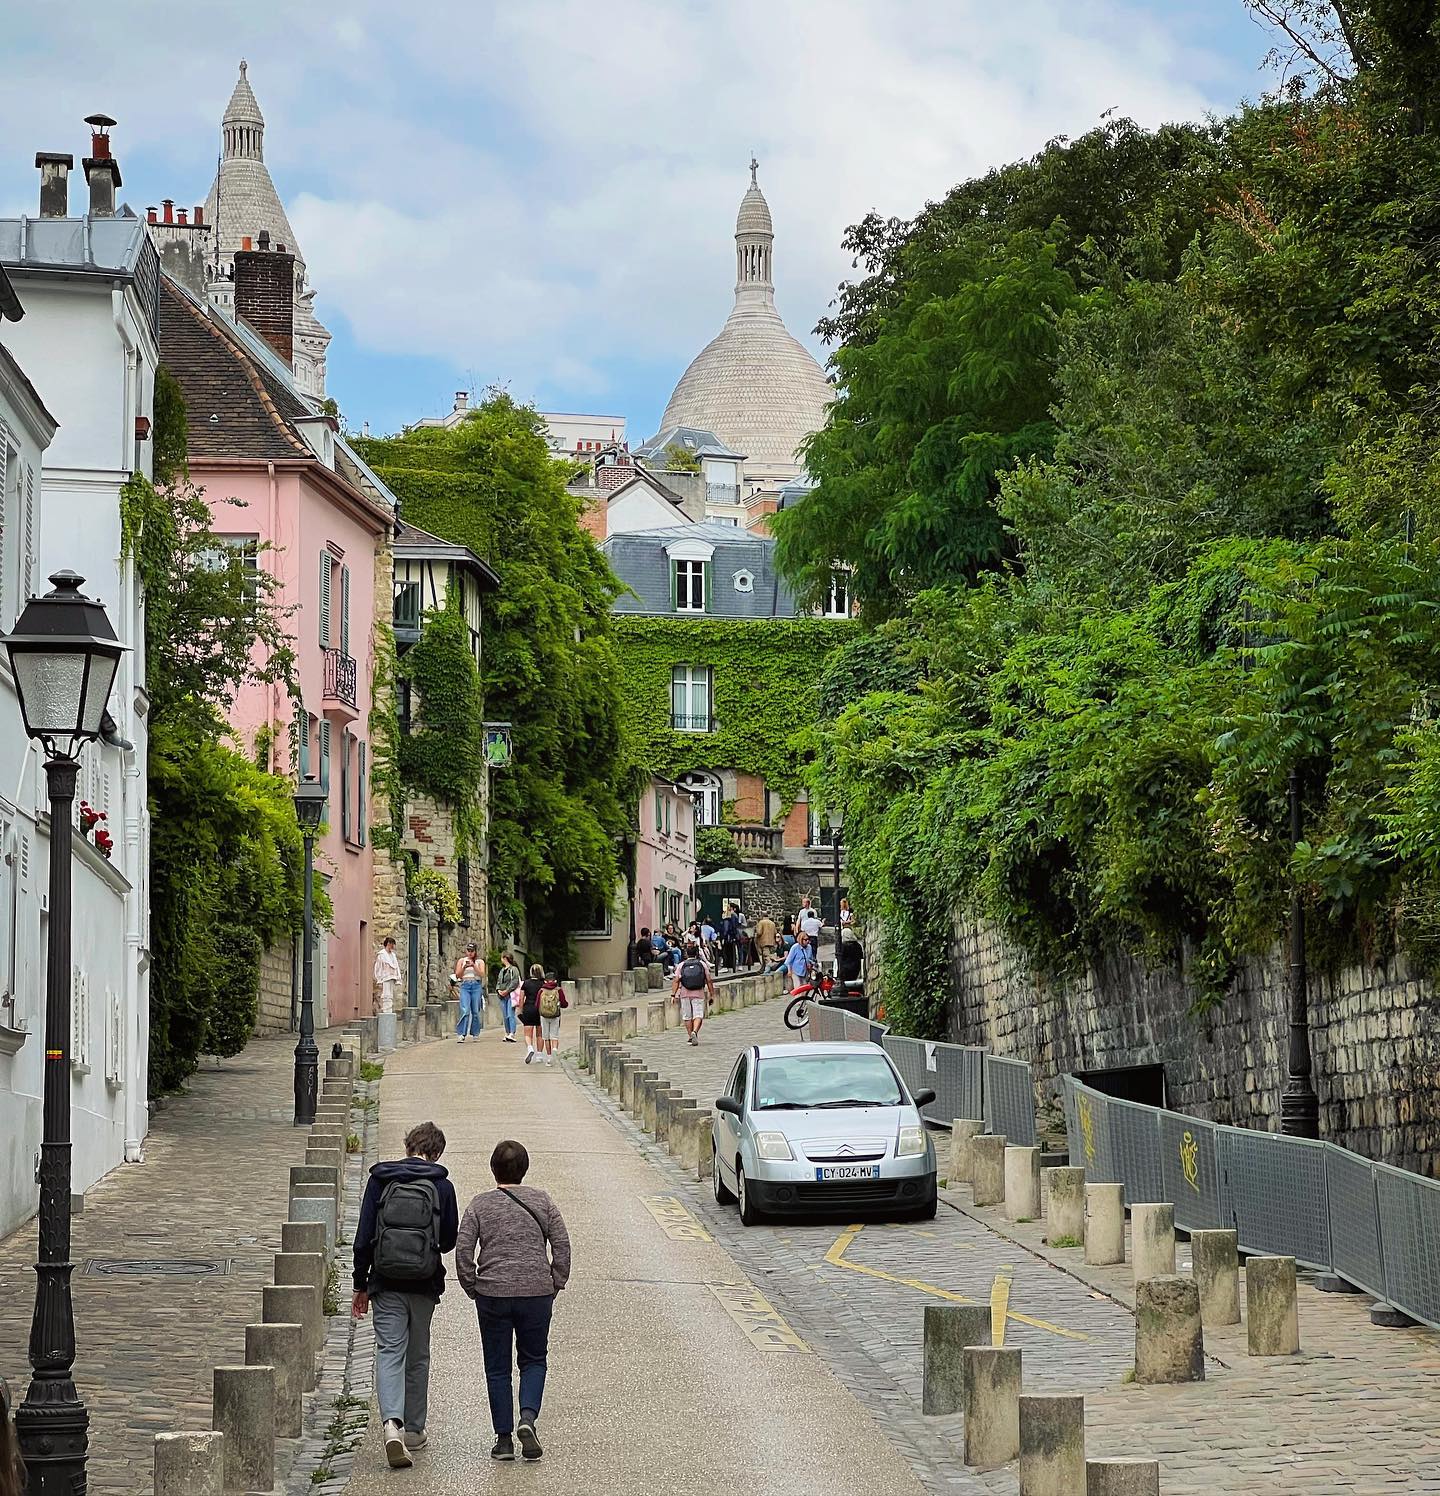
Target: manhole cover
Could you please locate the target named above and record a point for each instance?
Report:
(156, 1267)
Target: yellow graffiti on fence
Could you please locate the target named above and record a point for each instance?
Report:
(1087, 1127)
(1190, 1160)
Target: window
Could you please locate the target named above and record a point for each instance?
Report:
(739, 1077)
(837, 603)
(594, 923)
(704, 791)
(689, 586)
(403, 704)
(245, 549)
(744, 581)
(690, 698)
(407, 605)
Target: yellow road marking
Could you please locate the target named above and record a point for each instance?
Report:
(836, 1258)
(763, 1325)
(675, 1221)
(1000, 1304)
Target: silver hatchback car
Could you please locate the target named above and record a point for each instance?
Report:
(814, 1128)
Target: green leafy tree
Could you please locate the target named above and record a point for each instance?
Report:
(678, 459)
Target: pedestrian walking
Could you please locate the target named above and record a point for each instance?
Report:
(810, 924)
(530, 990)
(408, 1219)
(551, 1005)
(387, 974)
(798, 962)
(694, 983)
(765, 938)
(847, 916)
(512, 1258)
(469, 974)
(507, 989)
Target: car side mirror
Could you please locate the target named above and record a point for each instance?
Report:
(728, 1104)
(922, 1098)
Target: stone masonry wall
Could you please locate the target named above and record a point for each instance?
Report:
(277, 977)
(1374, 1039)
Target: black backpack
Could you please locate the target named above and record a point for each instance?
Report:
(407, 1231)
(692, 974)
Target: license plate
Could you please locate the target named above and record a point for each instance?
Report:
(848, 1171)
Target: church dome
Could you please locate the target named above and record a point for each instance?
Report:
(754, 385)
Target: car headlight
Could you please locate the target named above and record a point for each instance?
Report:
(912, 1141)
(772, 1145)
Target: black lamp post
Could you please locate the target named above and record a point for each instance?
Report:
(310, 812)
(64, 656)
(1299, 1106)
(837, 821)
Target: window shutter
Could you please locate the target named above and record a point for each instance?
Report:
(324, 599)
(27, 558)
(705, 572)
(674, 588)
(345, 610)
(362, 808)
(302, 732)
(345, 783)
(658, 821)
(7, 525)
(707, 687)
(9, 896)
(324, 754)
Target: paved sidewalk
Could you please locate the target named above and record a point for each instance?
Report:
(213, 1190)
(1358, 1410)
(655, 1384)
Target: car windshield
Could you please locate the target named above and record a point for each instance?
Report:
(826, 1080)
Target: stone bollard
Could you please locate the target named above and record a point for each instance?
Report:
(655, 1016)
(295, 1304)
(319, 1209)
(627, 983)
(1272, 1320)
(387, 1035)
(308, 1270)
(340, 1069)
(990, 1401)
(610, 1062)
(963, 1131)
(1065, 1206)
(684, 1139)
(724, 997)
(949, 1328)
(672, 1014)
(1152, 1240)
(326, 1158)
(1215, 1266)
(1022, 1184)
(302, 1236)
(1169, 1344)
(243, 1410)
(283, 1348)
(613, 989)
(1104, 1224)
(650, 1084)
(629, 1069)
(189, 1464)
(1052, 1446)
(656, 972)
(668, 1101)
(987, 1158)
(1121, 1477)
(629, 1023)
(705, 1147)
(315, 1174)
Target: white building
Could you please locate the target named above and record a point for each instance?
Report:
(567, 435)
(88, 287)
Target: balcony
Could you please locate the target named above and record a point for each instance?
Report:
(722, 493)
(758, 843)
(339, 679)
(684, 722)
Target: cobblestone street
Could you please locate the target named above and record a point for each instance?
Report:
(1358, 1410)
(170, 1259)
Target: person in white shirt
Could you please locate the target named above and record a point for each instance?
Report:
(809, 923)
(387, 974)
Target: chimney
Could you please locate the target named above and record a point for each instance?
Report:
(613, 471)
(198, 216)
(462, 400)
(181, 218)
(55, 168)
(101, 170)
(150, 216)
(265, 295)
(167, 205)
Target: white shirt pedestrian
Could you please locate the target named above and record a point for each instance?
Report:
(387, 976)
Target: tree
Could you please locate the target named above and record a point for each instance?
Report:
(558, 813)
(678, 459)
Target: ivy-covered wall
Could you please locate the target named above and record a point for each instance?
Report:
(765, 675)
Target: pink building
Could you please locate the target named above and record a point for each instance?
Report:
(287, 491)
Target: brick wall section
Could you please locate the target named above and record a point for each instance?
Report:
(276, 984)
(1374, 1040)
(265, 298)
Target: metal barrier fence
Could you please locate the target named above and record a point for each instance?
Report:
(966, 1080)
(1375, 1226)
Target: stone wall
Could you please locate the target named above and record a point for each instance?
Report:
(1374, 1039)
(277, 981)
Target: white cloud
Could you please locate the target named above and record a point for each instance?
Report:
(538, 193)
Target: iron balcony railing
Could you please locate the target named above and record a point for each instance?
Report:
(687, 722)
(339, 677)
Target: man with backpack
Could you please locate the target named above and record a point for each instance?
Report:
(408, 1219)
(694, 983)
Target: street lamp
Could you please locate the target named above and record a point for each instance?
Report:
(837, 821)
(310, 812)
(63, 655)
(1299, 1106)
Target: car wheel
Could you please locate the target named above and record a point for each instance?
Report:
(722, 1194)
(749, 1216)
(926, 1212)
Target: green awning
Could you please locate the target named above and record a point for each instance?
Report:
(729, 875)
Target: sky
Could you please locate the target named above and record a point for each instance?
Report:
(541, 194)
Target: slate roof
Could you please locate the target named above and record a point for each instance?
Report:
(692, 439)
(411, 542)
(640, 561)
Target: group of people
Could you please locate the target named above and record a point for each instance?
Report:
(512, 1257)
(530, 1003)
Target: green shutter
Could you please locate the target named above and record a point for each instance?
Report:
(674, 570)
(345, 784)
(363, 805)
(657, 810)
(705, 571)
(324, 599)
(345, 610)
(302, 731)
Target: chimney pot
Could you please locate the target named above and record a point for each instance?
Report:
(101, 171)
(198, 216)
(462, 399)
(180, 216)
(168, 204)
(245, 241)
(54, 168)
(150, 215)
(264, 241)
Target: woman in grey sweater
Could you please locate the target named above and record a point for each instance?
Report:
(512, 1257)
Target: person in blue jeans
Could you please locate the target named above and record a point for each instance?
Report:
(512, 1256)
(470, 978)
(507, 985)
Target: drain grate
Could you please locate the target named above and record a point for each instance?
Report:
(156, 1267)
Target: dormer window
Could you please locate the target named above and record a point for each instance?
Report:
(689, 581)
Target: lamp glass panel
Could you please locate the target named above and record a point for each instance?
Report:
(50, 685)
(97, 691)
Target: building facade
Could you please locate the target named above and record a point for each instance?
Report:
(87, 285)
